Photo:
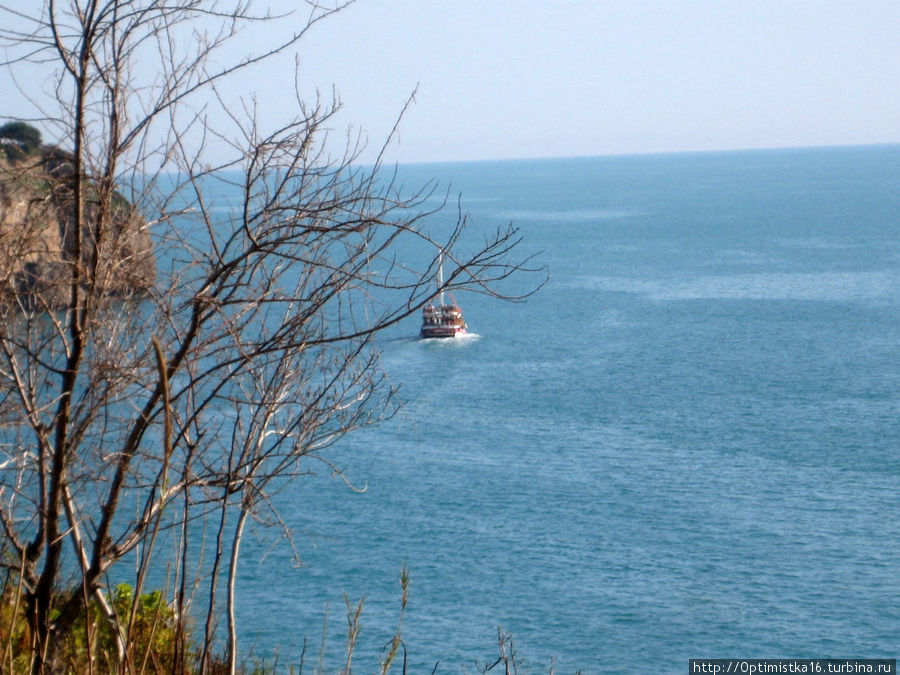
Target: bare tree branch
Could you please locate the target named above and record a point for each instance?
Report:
(210, 321)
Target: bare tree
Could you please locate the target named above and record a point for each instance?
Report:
(131, 404)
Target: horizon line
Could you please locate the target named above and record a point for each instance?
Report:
(649, 153)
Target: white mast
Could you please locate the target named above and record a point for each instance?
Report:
(440, 276)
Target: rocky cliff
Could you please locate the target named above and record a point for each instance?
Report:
(37, 237)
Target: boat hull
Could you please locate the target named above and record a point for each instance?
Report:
(441, 332)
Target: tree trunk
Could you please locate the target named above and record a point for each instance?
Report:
(232, 574)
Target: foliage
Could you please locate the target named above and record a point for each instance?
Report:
(19, 140)
(91, 645)
(150, 639)
(15, 635)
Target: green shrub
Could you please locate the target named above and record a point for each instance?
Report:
(152, 644)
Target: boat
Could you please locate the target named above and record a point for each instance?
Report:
(444, 319)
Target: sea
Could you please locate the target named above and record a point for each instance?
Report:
(685, 445)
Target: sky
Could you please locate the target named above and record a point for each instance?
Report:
(528, 78)
(504, 79)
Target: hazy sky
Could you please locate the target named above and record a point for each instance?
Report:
(544, 78)
(529, 78)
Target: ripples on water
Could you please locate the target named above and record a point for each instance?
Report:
(685, 446)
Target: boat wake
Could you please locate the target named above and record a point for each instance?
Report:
(458, 339)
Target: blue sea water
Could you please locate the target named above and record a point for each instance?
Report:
(686, 445)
